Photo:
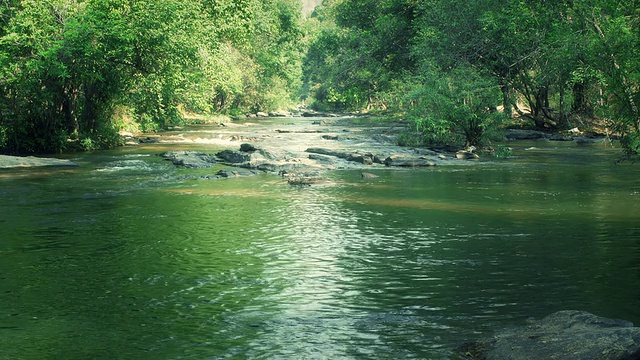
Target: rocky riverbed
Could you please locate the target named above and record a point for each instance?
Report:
(304, 144)
(307, 146)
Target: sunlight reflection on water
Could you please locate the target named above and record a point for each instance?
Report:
(407, 265)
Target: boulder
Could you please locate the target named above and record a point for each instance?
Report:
(408, 161)
(329, 152)
(571, 334)
(247, 147)
(190, 159)
(233, 156)
(262, 114)
(323, 158)
(364, 158)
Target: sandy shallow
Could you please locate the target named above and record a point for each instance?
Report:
(31, 161)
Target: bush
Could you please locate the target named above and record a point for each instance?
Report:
(458, 106)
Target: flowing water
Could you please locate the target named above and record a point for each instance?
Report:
(128, 257)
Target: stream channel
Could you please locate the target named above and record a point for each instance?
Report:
(127, 256)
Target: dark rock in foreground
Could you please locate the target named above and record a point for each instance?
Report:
(575, 335)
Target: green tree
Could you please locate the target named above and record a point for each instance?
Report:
(615, 32)
(67, 65)
(354, 63)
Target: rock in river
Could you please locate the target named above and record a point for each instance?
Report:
(190, 159)
(408, 161)
(234, 156)
(233, 173)
(518, 134)
(571, 334)
(366, 158)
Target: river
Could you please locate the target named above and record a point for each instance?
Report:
(128, 257)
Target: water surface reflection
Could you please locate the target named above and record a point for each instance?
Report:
(125, 257)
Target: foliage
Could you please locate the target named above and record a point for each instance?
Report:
(557, 64)
(456, 106)
(67, 65)
(352, 64)
(616, 42)
(455, 69)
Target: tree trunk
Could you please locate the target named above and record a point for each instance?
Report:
(506, 100)
(89, 110)
(578, 106)
(68, 109)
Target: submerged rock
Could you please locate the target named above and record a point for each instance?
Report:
(233, 173)
(365, 175)
(302, 179)
(571, 334)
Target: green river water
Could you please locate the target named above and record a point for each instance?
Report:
(124, 258)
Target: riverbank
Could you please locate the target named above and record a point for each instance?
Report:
(307, 143)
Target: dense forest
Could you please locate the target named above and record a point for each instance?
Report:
(73, 72)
